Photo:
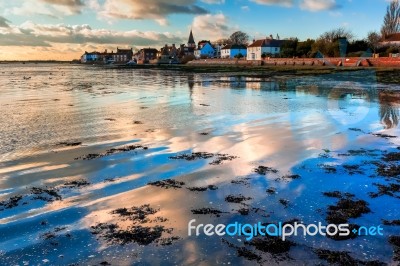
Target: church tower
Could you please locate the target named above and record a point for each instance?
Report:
(191, 42)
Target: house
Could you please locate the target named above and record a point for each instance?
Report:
(147, 54)
(391, 40)
(268, 47)
(168, 55)
(90, 57)
(121, 56)
(233, 50)
(204, 49)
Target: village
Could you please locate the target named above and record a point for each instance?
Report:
(270, 50)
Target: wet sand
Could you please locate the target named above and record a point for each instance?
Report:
(107, 166)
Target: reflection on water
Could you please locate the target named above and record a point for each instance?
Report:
(50, 197)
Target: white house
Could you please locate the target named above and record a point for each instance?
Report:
(232, 50)
(90, 57)
(205, 49)
(269, 47)
(391, 40)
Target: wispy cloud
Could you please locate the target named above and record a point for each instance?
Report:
(212, 27)
(32, 34)
(318, 5)
(150, 9)
(4, 22)
(286, 3)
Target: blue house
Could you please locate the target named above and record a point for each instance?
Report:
(204, 50)
(233, 50)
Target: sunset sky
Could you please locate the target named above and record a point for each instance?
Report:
(64, 29)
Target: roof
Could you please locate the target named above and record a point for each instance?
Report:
(191, 39)
(234, 46)
(395, 37)
(149, 50)
(267, 43)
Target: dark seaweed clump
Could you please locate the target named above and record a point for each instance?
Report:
(390, 190)
(193, 156)
(201, 189)
(289, 177)
(385, 136)
(70, 144)
(167, 184)
(211, 211)
(236, 198)
(241, 181)
(284, 202)
(244, 252)
(93, 156)
(390, 170)
(342, 258)
(141, 235)
(76, 183)
(11, 202)
(337, 194)
(395, 242)
(345, 209)
(392, 157)
(271, 190)
(329, 169)
(137, 214)
(219, 158)
(391, 223)
(46, 194)
(135, 233)
(263, 170)
(353, 169)
(270, 244)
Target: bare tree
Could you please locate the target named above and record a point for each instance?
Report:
(336, 34)
(373, 39)
(391, 21)
(239, 37)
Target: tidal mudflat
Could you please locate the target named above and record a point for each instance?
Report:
(107, 166)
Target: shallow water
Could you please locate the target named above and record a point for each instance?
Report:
(52, 116)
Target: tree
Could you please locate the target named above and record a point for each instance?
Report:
(336, 34)
(391, 21)
(373, 40)
(303, 49)
(288, 48)
(239, 55)
(333, 43)
(239, 37)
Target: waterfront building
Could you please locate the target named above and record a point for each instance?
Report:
(233, 50)
(268, 46)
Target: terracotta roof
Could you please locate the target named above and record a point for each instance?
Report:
(395, 37)
(267, 43)
(234, 46)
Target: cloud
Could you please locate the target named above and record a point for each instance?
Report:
(286, 3)
(46, 35)
(245, 8)
(212, 27)
(73, 6)
(149, 9)
(318, 5)
(211, 2)
(4, 22)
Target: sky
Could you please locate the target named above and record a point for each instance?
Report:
(65, 29)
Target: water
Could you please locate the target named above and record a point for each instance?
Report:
(54, 115)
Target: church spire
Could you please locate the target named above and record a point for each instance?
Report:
(191, 42)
